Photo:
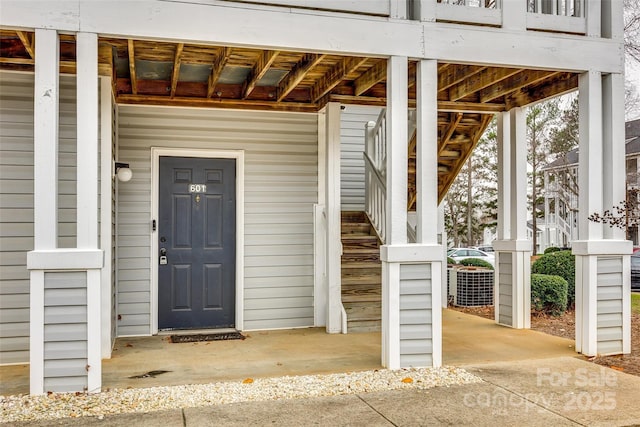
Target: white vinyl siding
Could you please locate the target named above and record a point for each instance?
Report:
(16, 201)
(610, 300)
(280, 191)
(352, 121)
(416, 335)
(65, 331)
(505, 288)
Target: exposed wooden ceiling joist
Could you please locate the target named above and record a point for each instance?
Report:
(480, 81)
(370, 78)
(297, 74)
(132, 66)
(563, 83)
(513, 83)
(335, 75)
(27, 40)
(258, 71)
(216, 69)
(176, 68)
(455, 74)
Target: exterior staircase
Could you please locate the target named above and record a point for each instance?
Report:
(361, 273)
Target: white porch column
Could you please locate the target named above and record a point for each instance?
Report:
(65, 283)
(603, 316)
(334, 245)
(106, 194)
(45, 191)
(411, 273)
(512, 291)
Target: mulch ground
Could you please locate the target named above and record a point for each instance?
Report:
(564, 326)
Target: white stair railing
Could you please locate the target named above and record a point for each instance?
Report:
(375, 169)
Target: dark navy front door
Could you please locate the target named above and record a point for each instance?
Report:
(196, 242)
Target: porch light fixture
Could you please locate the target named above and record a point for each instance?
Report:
(123, 172)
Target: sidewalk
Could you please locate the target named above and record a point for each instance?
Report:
(544, 392)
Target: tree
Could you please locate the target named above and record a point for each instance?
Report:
(542, 124)
(470, 203)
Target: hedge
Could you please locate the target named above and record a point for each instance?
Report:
(476, 262)
(561, 264)
(549, 294)
(551, 249)
(451, 261)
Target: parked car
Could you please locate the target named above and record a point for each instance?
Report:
(458, 254)
(487, 248)
(635, 272)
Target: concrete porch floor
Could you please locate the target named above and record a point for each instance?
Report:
(467, 339)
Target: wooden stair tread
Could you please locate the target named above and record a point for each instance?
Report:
(361, 273)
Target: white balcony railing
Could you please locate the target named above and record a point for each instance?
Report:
(557, 15)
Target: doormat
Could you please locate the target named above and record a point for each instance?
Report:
(207, 337)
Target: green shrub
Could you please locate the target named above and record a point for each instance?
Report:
(561, 264)
(551, 249)
(451, 261)
(548, 294)
(476, 262)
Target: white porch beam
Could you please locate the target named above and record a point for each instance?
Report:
(87, 137)
(334, 244)
(397, 146)
(591, 151)
(289, 29)
(427, 151)
(45, 138)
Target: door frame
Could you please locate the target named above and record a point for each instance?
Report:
(238, 155)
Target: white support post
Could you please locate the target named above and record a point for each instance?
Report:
(411, 273)
(512, 289)
(427, 152)
(320, 292)
(397, 146)
(613, 156)
(504, 174)
(45, 138)
(106, 192)
(427, 189)
(590, 163)
(602, 254)
(518, 171)
(87, 140)
(334, 244)
(45, 200)
(396, 205)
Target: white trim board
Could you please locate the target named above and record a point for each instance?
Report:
(238, 155)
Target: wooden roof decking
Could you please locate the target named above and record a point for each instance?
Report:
(184, 74)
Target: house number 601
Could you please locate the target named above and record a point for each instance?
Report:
(197, 188)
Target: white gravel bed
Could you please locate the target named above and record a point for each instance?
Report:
(65, 405)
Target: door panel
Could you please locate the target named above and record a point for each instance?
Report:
(196, 234)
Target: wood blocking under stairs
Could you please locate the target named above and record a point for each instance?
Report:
(361, 273)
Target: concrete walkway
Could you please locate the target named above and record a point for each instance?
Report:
(467, 339)
(546, 392)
